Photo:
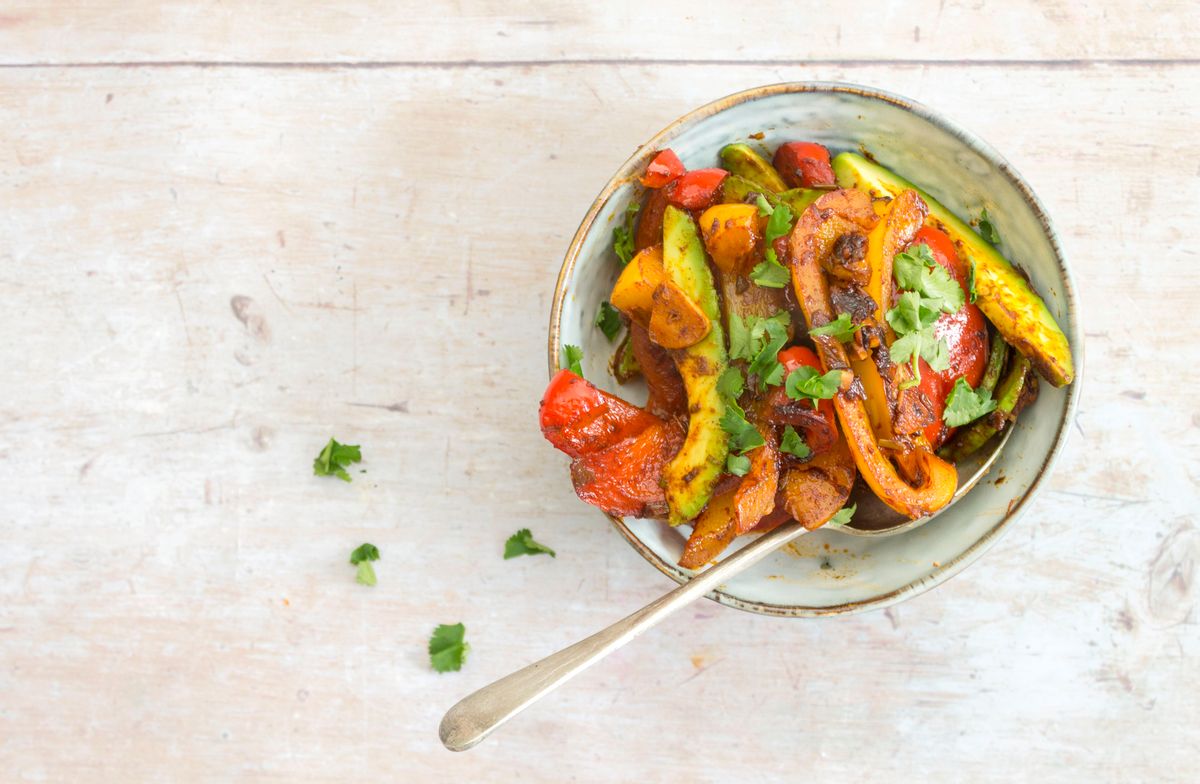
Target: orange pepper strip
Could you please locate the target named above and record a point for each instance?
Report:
(936, 479)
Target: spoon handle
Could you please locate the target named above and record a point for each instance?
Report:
(475, 717)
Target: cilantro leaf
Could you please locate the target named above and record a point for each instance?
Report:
(987, 229)
(764, 206)
(779, 224)
(765, 364)
(842, 516)
(731, 383)
(770, 273)
(793, 443)
(971, 279)
(841, 328)
(916, 271)
(911, 313)
(333, 459)
(738, 465)
(522, 543)
(807, 383)
(608, 319)
(447, 647)
(964, 404)
(623, 235)
(362, 557)
(573, 359)
(743, 436)
(739, 337)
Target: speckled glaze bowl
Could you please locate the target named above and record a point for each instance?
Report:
(828, 572)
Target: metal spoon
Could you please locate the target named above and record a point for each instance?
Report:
(476, 716)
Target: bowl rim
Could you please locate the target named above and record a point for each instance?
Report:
(945, 571)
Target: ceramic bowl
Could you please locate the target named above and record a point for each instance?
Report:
(828, 572)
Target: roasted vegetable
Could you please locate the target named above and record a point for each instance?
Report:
(1019, 314)
(814, 491)
(739, 190)
(732, 235)
(697, 189)
(675, 320)
(649, 226)
(667, 395)
(624, 365)
(690, 476)
(1018, 388)
(804, 165)
(664, 168)
(714, 529)
(622, 479)
(577, 418)
(739, 159)
(812, 240)
(755, 495)
(798, 199)
(633, 293)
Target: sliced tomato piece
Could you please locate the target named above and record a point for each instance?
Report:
(625, 478)
(577, 418)
(697, 189)
(804, 165)
(665, 168)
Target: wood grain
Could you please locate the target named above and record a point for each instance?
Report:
(208, 271)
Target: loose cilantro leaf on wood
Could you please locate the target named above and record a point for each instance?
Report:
(623, 235)
(842, 516)
(987, 229)
(573, 359)
(793, 443)
(608, 319)
(738, 465)
(964, 404)
(523, 543)
(362, 557)
(807, 383)
(448, 648)
(841, 328)
(333, 459)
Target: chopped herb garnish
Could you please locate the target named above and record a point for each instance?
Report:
(747, 337)
(764, 206)
(623, 235)
(793, 443)
(448, 648)
(971, 279)
(333, 459)
(573, 359)
(779, 224)
(362, 557)
(770, 273)
(841, 516)
(523, 543)
(841, 328)
(987, 229)
(916, 270)
(743, 436)
(919, 308)
(731, 383)
(964, 404)
(808, 383)
(765, 364)
(608, 319)
(738, 465)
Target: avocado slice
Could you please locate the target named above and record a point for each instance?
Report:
(1004, 296)
(739, 159)
(738, 190)
(693, 472)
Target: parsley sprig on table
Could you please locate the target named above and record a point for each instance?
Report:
(448, 647)
(523, 543)
(362, 557)
(333, 459)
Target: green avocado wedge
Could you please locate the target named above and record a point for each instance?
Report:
(741, 160)
(691, 475)
(1004, 296)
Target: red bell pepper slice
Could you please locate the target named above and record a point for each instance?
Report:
(578, 419)
(665, 168)
(697, 189)
(804, 165)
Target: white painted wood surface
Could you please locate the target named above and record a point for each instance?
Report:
(209, 264)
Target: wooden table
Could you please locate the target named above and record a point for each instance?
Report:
(229, 233)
